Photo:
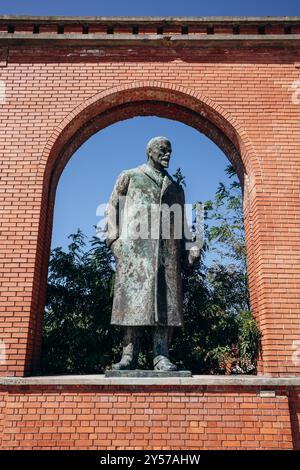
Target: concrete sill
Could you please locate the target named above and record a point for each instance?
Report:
(196, 380)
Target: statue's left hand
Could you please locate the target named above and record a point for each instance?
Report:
(193, 256)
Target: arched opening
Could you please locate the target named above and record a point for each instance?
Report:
(102, 111)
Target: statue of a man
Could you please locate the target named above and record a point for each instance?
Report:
(149, 256)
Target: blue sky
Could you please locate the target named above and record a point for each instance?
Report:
(152, 8)
(89, 176)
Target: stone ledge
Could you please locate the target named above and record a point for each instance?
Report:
(196, 380)
(193, 40)
(151, 19)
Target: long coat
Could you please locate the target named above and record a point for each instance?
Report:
(148, 285)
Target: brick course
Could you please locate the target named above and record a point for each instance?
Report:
(145, 417)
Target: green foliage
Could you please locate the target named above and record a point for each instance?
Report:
(219, 326)
(77, 335)
(249, 340)
(179, 177)
(225, 227)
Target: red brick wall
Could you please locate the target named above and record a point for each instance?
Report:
(146, 417)
(56, 97)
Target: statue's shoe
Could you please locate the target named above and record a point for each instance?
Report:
(126, 363)
(163, 363)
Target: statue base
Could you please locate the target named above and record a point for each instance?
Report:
(147, 373)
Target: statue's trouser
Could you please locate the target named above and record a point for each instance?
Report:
(161, 340)
(162, 336)
(131, 345)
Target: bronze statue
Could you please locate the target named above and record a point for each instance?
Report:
(149, 257)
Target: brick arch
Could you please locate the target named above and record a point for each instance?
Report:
(201, 112)
(113, 105)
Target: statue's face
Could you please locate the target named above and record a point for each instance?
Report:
(160, 153)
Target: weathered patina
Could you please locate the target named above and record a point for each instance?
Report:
(147, 287)
(147, 234)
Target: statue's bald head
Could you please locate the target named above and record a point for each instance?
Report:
(155, 142)
(159, 151)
